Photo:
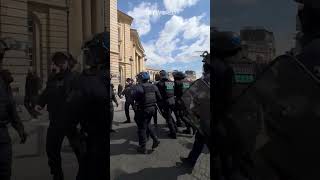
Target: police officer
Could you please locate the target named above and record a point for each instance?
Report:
(90, 103)
(8, 115)
(112, 99)
(166, 88)
(292, 154)
(145, 96)
(180, 85)
(155, 116)
(54, 96)
(129, 102)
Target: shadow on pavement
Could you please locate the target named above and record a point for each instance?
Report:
(161, 173)
(129, 134)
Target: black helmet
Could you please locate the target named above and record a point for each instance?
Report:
(225, 43)
(96, 50)
(163, 74)
(143, 76)
(179, 75)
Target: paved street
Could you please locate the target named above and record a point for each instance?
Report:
(161, 164)
(30, 161)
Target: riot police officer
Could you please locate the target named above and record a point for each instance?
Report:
(89, 104)
(129, 102)
(58, 88)
(8, 115)
(180, 85)
(112, 99)
(292, 154)
(145, 96)
(166, 88)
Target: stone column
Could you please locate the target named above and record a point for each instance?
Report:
(87, 25)
(75, 25)
(97, 16)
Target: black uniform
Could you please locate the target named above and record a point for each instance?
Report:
(146, 96)
(54, 96)
(112, 99)
(90, 104)
(8, 115)
(179, 87)
(129, 101)
(166, 88)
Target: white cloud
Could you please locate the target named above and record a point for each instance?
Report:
(143, 15)
(178, 5)
(179, 41)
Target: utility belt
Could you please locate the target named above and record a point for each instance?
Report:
(141, 107)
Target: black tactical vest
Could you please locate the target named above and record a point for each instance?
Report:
(169, 89)
(149, 95)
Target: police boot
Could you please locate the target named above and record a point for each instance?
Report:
(188, 163)
(155, 144)
(142, 150)
(173, 136)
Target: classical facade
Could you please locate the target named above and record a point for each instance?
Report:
(49, 26)
(126, 51)
(152, 72)
(63, 25)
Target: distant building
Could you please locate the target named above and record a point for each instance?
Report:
(152, 72)
(259, 44)
(191, 75)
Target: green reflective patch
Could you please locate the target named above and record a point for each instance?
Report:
(186, 85)
(244, 78)
(169, 85)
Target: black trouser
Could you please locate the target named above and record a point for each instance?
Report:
(5, 154)
(127, 105)
(155, 118)
(143, 120)
(111, 116)
(55, 138)
(95, 162)
(197, 148)
(167, 113)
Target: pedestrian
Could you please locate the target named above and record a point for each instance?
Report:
(145, 96)
(8, 115)
(166, 88)
(54, 96)
(112, 99)
(129, 101)
(90, 105)
(120, 89)
(32, 87)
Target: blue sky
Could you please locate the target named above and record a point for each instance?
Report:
(171, 31)
(278, 16)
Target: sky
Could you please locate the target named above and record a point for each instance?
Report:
(278, 16)
(172, 32)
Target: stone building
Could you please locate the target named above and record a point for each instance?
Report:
(63, 25)
(126, 51)
(191, 75)
(48, 26)
(152, 72)
(259, 44)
